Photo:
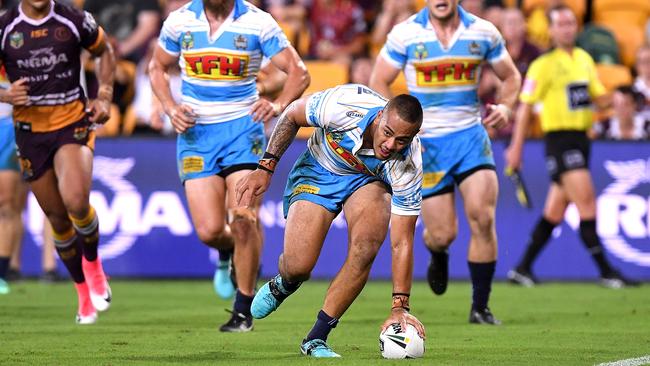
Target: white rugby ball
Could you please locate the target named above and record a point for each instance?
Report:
(397, 343)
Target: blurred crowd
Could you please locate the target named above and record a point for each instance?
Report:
(339, 39)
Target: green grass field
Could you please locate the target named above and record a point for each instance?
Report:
(175, 322)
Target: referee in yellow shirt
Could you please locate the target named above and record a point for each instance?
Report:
(564, 80)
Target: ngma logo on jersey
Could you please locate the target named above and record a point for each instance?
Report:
(623, 211)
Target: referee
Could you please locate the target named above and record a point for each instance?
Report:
(564, 80)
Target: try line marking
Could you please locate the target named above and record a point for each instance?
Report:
(645, 360)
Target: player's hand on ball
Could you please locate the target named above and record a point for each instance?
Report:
(99, 111)
(401, 316)
(263, 110)
(182, 117)
(498, 116)
(251, 186)
(16, 94)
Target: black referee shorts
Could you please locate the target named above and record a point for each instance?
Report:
(566, 150)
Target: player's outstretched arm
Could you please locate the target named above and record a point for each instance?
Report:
(257, 182)
(383, 74)
(99, 109)
(297, 81)
(182, 116)
(402, 231)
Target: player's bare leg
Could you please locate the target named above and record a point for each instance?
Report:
(367, 213)
(206, 198)
(70, 250)
(579, 188)
(304, 234)
(554, 207)
(440, 230)
(10, 221)
(73, 166)
(479, 192)
(244, 225)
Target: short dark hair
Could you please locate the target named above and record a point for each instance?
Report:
(631, 92)
(408, 108)
(556, 8)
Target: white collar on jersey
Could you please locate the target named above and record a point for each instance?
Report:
(35, 22)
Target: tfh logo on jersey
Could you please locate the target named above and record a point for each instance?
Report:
(216, 66)
(43, 59)
(448, 72)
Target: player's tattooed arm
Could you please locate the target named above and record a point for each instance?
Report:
(284, 132)
(287, 127)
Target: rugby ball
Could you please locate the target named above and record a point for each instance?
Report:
(395, 342)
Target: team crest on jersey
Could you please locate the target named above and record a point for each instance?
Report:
(474, 48)
(241, 42)
(187, 41)
(256, 144)
(447, 72)
(337, 136)
(421, 51)
(62, 34)
(216, 65)
(16, 40)
(80, 133)
(26, 167)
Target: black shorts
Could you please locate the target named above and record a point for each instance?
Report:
(36, 149)
(566, 150)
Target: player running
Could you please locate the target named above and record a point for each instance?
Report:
(441, 49)
(40, 49)
(363, 150)
(12, 192)
(219, 45)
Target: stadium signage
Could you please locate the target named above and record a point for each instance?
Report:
(124, 213)
(624, 211)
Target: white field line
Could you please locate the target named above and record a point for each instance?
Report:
(645, 360)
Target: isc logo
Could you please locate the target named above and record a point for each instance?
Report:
(451, 72)
(216, 66)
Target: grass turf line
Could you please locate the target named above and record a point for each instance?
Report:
(175, 322)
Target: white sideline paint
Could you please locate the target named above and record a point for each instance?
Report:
(645, 360)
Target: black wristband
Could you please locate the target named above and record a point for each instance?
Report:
(268, 155)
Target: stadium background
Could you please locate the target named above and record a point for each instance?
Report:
(145, 225)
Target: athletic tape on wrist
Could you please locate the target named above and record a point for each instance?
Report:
(401, 300)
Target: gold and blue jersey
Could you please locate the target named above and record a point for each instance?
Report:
(219, 69)
(341, 115)
(444, 79)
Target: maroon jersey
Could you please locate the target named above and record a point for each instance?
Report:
(46, 52)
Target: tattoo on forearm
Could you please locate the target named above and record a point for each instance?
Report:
(283, 133)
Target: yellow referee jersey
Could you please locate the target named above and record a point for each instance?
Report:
(565, 85)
